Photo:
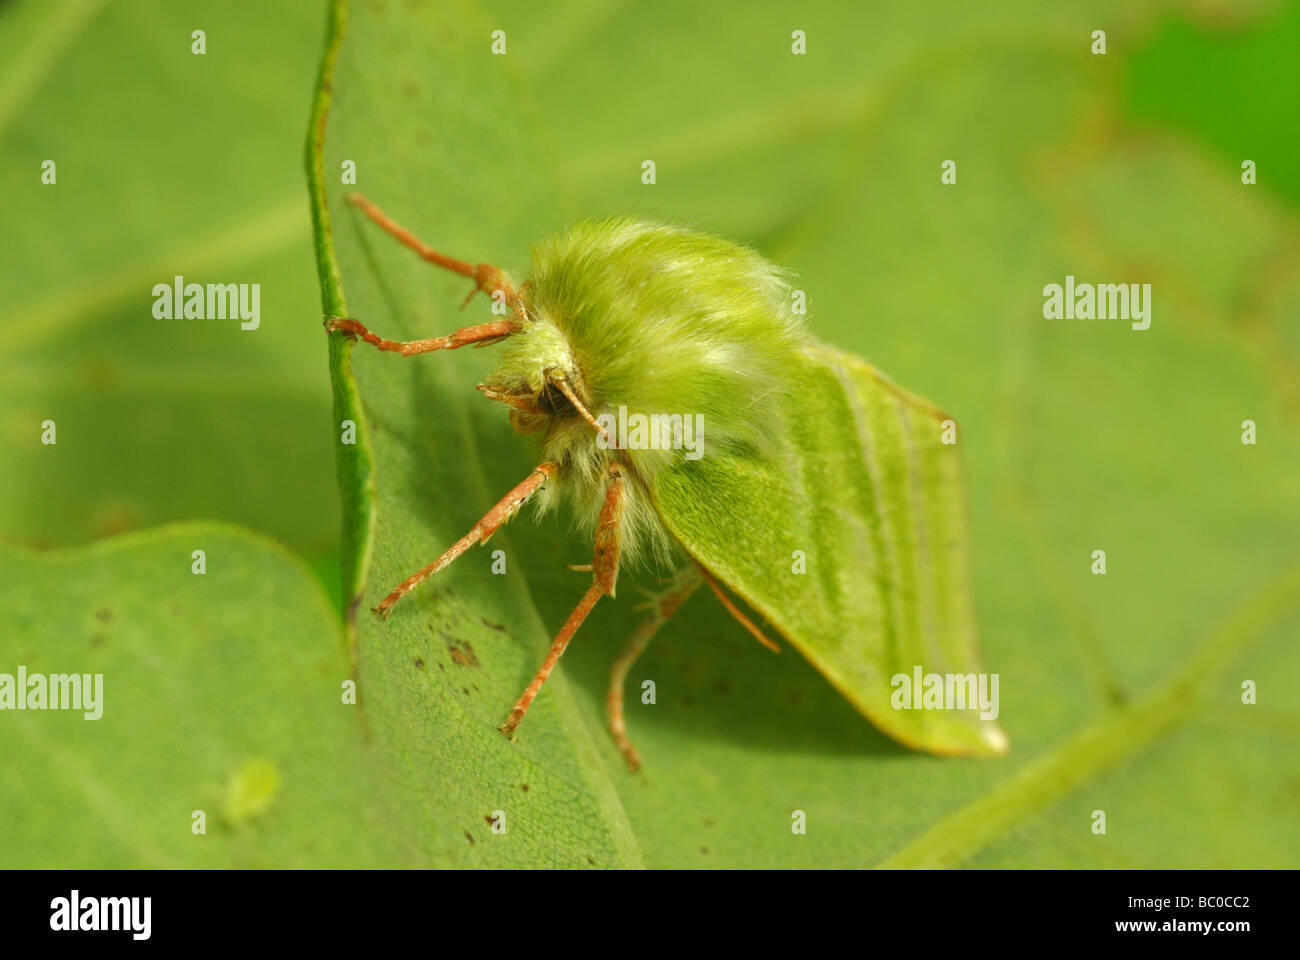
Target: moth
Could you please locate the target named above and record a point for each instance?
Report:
(816, 491)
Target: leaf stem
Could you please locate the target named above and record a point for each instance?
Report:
(356, 466)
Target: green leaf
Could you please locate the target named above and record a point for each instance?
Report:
(167, 163)
(220, 693)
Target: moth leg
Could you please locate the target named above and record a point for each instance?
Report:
(662, 605)
(736, 612)
(604, 575)
(491, 522)
(481, 334)
(486, 277)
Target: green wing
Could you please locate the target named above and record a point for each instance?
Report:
(864, 486)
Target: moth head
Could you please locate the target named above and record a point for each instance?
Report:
(543, 382)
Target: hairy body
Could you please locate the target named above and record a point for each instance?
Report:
(655, 320)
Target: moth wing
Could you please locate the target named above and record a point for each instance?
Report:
(865, 489)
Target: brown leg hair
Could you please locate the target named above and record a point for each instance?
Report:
(488, 278)
(491, 522)
(481, 334)
(662, 606)
(604, 576)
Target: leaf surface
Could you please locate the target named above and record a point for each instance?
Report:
(219, 693)
(168, 163)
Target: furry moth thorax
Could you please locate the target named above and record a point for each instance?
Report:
(642, 318)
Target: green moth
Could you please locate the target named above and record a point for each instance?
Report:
(688, 419)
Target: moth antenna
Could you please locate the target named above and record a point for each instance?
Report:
(561, 381)
(736, 612)
(492, 521)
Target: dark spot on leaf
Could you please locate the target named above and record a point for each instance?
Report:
(523, 787)
(419, 662)
(499, 627)
(795, 696)
(442, 666)
(104, 614)
(470, 837)
(465, 690)
(708, 822)
(591, 861)
(704, 849)
(96, 639)
(465, 655)
(721, 687)
(491, 820)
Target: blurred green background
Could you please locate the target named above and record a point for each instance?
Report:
(1120, 692)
